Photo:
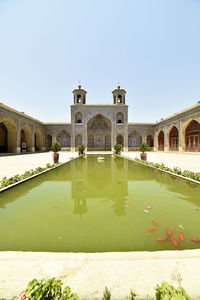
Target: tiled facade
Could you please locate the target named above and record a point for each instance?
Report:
(99, 127)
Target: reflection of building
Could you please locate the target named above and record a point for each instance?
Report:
(99, 127)
(102, 181)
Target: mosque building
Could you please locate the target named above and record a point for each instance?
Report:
(99, 127)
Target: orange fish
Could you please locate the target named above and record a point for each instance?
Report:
(55, 206)
(161, 240)
(169, 232)
(151, 228)
(195, 240)
(181, 237)
(175, 242)
(155, 223)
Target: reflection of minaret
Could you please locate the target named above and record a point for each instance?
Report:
(121, 182)
(79, 186)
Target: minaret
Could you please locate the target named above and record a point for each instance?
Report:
(79, 96)
(119, 96)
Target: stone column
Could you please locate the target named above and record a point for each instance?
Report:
(32, 141)
(18, 143)
(181, 138)
(165, 139)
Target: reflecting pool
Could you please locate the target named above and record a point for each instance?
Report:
(88, 205)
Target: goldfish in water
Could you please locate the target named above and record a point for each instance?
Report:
(169, 232)
(195, 240)
(175, 242)
(151, 228)
(181, 237)
(161, 240)
(155, 223)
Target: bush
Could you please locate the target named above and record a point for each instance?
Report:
(167, 291)
(50, 289)
(118, 147)
(81, 148)
(55, 147)
(16, 178)
(143, 147)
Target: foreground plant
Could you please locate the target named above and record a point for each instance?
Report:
(50, 289)
(16, 178)
(175, 170)
(106, 294)
(167, 291)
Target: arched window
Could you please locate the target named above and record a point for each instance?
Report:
(120, 118)
(3, 138)
(120, 140)
(150, 141)
(119, 98)
(161, 141)
(192, 136)
(173, 139)
(78, 118)
(79, 98)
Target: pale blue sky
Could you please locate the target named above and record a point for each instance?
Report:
(152, 47)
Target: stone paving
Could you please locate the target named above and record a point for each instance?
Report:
(184, 161)
(18, 164)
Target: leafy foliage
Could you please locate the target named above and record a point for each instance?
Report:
(118, 147)
(55, 147)
(50, 289)
(143, 147)
(81, 148)
(106, 294)
(16, 178)
(167, 291)
(175, 170)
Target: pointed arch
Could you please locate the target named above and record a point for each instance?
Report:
(192, 136)
(161, 141)
(173, 139)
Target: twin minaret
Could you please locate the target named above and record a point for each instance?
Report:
(80, 96)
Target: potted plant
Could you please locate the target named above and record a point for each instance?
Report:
(143, 148)
(81, 149)
(55, 148)
(118, 148)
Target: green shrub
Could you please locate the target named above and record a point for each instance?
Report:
(50, 289)
(106, 294)
(16, 178)
(81, 148)
(167, 291)
(55, 147)
(143, 147)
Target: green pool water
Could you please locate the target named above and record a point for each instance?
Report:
(91, 206)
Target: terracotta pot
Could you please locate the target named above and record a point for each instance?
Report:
(55, 158)
(143, 156)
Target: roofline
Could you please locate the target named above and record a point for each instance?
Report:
(20, 113)
(178, 114)
(96, 105)
(141, 123)
(54, 123)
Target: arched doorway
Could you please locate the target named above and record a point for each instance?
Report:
(99, 133)
(161, 141)
(3, 138)
(26, 139)
(8, 137)
(48, 142)
(78, 141)
(173, 139)
(150, 143)
(64, 139)
(120, 140)
(192, 136)
(38, 140)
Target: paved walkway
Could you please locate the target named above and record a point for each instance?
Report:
(183, 161)
(18, 164)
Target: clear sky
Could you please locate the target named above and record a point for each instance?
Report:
(152, 47)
